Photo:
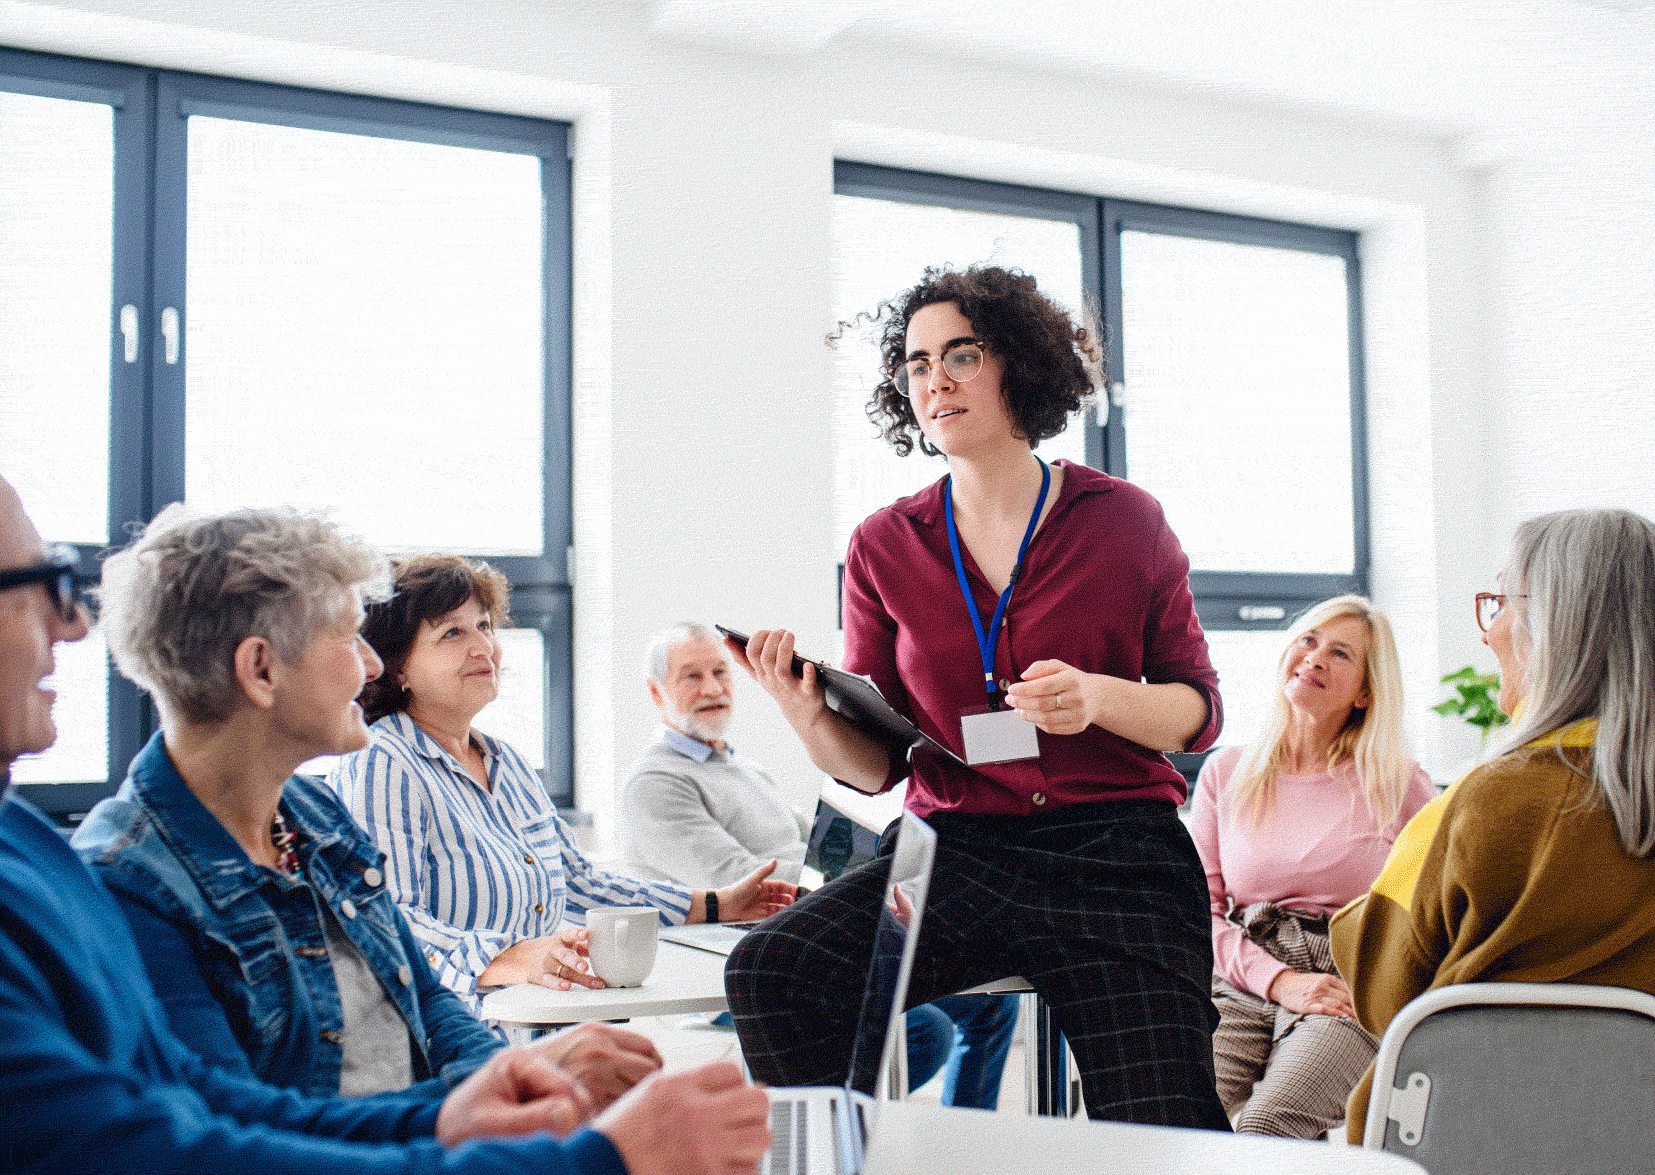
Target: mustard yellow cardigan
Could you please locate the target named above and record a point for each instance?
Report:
(1515, 873)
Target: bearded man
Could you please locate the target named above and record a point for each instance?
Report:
(693, 810)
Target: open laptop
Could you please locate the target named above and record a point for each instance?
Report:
(823, 1130)
(720, 938)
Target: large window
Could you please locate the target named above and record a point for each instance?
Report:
(241, 294)
(1233, 381)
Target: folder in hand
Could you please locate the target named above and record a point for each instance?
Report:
(858, 701)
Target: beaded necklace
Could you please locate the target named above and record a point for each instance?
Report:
(286, 842)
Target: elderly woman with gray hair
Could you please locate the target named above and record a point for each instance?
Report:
(1539, 865)
(260, 909)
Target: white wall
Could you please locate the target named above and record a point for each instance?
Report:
(1508, 270)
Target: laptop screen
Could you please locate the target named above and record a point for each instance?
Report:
(881, 1028)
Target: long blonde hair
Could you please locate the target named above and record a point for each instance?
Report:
(1372, 744)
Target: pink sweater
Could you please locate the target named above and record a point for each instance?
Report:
(1311, 852)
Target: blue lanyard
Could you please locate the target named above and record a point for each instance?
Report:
(987, 640)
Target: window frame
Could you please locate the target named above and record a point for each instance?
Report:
(1224, 600)
(1244, 600)
(151, 108)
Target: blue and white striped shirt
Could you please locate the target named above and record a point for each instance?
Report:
(476, 871)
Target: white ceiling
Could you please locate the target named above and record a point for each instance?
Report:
(1475, 67)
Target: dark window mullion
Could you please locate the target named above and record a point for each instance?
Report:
(1358, 419)
(293, 106)
(557, 285)
(1091, 277)
(1112, 459)
(918, 187)
(132, 716)
(171, 227)
(550, 612)
(1129, 216)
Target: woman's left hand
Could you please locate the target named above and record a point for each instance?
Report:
(1057, 697)
(755, 896)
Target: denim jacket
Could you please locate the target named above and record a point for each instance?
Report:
(237, 952)
(91, 1078)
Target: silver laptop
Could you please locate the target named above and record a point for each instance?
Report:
(719, 937)
(823, 1130)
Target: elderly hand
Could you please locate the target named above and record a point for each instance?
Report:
(755, 897)
(1058, 698)
(1309, 992)
(704, 1121)
(517, 1091)
(556, 962)
(606, 1060)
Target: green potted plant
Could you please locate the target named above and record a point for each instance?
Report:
(1476, 699)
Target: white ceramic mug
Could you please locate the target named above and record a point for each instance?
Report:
(622, 942)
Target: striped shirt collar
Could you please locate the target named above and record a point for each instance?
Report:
(416, 736)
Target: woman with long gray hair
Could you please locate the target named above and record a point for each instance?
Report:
(1538, 866)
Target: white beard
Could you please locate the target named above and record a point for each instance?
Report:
(709, 729)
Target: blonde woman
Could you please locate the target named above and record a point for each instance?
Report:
(1290, 829)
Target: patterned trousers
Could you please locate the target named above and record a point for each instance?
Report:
(1101, 907)
(1289, 1074)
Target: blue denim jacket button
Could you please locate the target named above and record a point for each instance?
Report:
(347, 908)
(372, 876)
(405, 975)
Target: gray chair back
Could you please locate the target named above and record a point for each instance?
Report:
(1519, 1078)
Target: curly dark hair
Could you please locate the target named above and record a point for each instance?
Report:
(1051, 364)
(426, 587)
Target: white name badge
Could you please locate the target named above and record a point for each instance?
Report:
(998, 736)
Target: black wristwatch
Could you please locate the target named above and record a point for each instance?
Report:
(712, 905)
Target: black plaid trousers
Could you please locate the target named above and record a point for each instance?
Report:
(1101, 907)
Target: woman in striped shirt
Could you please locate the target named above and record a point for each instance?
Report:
(478, 858)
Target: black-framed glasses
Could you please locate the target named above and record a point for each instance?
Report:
(1490, 605)
(962, 363)
(60, 572)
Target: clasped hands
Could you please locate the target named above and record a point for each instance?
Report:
(703, 1121)
(557, 1083)
(1310, 992)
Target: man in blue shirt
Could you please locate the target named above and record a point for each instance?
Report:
(92, 1079)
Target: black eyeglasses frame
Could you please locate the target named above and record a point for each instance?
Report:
(59, 572)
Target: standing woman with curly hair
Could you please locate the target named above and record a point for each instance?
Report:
(1037, 621)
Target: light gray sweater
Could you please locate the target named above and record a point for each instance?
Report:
(706, 818)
